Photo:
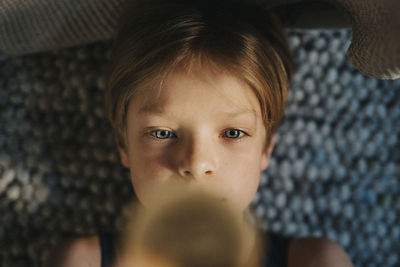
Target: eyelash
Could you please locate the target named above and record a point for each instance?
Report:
(233, 139)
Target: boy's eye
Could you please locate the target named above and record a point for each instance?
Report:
(233, 132)
(165, 134)
(161, 134)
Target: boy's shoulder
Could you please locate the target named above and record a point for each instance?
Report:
(81, 251)
(313, 251)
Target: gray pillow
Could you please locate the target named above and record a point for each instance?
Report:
(30, 26)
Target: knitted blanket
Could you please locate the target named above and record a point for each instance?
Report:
(334, 171)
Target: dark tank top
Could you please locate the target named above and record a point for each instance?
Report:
(277, 254)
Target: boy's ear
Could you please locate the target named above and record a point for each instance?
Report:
(122, 153)
(266, 156)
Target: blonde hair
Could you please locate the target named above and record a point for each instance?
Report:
(155, 37)
(188, 230)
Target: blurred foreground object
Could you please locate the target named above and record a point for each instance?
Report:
(188, 229)
(31, 26)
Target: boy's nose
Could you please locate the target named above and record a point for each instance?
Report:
(197, 161)
(197, 172)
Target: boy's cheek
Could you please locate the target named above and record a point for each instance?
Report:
(147, 184)
(144, 190)
(156, 160)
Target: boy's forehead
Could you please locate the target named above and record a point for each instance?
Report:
(159, 109)
(172, 114)
(158, 99)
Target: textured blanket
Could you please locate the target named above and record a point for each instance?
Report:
(334, 171)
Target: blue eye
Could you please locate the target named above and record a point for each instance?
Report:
(234, 133)
(161, 134)
(165, 134)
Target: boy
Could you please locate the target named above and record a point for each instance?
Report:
(195, 91)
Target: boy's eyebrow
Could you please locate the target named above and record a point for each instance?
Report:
(158, 110)
(151, 109)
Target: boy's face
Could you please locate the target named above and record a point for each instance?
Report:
(187, 135)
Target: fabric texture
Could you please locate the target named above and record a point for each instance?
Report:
(30, 26)
(108, 248)
(375, 46)
(334, 171)
(278, 252)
